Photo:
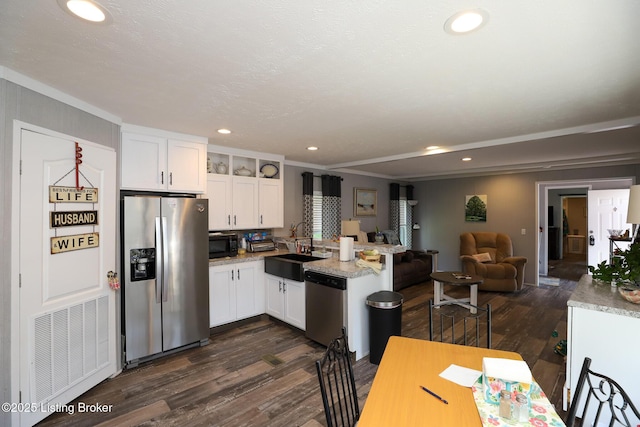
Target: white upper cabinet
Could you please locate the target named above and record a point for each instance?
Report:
(186, 164)
(245, 202)
(270, 203)
(219, 195)
(245, 189)
(143, 160)
(156, 162)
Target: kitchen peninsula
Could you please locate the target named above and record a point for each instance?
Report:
(603, 326)
(231, 301)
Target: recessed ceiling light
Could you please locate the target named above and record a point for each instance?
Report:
(466, 21)
(432, 147)
(224, 131)
(312, 148)
(88, 10)
(466, 159)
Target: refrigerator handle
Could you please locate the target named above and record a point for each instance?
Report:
(159, 252)
(165, 262)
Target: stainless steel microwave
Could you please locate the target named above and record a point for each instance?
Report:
(223, 245)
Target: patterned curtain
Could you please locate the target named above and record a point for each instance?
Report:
(394, 208)
(331, 206)
(409, 242)
(307, 204)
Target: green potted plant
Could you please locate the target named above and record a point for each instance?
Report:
(623, 271)
(603, 272)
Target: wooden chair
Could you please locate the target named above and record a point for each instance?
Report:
(606, 394)
(337, 384)
(474, 328)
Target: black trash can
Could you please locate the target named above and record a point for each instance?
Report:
(385, 320)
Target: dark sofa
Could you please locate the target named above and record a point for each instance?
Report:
(411, 267)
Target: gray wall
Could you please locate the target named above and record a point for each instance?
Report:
(511, 206)
(17, 102)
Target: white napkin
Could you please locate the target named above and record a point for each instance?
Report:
(507, 369)
(465, 377)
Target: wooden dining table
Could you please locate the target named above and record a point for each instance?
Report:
(396, 397)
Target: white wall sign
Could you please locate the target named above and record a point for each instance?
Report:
(59, 194)
(74, 242)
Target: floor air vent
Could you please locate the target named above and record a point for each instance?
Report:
(68, 344)
(272, 359)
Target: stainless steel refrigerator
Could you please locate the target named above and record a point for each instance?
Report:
(165, 283)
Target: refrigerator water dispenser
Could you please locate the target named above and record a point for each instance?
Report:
(143, 264)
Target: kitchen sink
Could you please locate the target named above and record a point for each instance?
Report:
(298, 257)
(288, 266)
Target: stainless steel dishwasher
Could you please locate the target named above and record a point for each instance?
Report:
(326, 306)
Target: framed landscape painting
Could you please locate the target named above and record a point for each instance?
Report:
(475, 208)
(365, 202)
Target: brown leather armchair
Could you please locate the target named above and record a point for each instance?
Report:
(490, 255)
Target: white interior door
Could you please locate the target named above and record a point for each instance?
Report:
(67, 309)
(607, 209)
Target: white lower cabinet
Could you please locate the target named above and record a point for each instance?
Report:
(285, 300)
(603, 326)
(236, 291)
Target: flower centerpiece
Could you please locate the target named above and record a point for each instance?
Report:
(623, 271)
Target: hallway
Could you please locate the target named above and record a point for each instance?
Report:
(571, 267)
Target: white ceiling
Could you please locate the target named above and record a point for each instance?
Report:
(371, 83)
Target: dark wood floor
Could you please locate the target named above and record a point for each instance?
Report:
(570, 267)
(262, 373)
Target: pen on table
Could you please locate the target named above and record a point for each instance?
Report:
(434, 395)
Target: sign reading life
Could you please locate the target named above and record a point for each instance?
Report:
(57, 219)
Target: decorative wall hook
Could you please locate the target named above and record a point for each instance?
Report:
(78, 163)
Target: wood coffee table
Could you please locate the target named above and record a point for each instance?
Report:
(457, 278)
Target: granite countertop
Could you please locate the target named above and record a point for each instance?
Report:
(247, 257)
(601, 297)
(332, 266)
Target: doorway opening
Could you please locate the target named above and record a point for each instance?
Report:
(568, 260)
(563, 246)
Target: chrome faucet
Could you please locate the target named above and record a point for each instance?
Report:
(294, 230)
(294, 234)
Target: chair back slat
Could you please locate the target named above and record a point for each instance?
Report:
(449, 319)
(609, 398)
(337, 384)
